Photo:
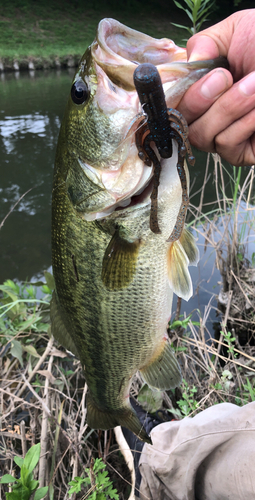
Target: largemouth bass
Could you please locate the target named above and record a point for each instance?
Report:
(114, 277)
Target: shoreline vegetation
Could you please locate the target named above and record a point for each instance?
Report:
(36, 35)
(43, 35)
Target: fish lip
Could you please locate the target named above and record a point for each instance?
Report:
(119, 59)
(139, 197)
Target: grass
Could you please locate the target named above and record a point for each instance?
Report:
(43, 29)
(42, 393)
(39, 29)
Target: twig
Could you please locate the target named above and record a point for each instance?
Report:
(126, 452)
(44, 433)
(15, 204)
(75, 462)
(200, 206)
(224, 323)
(44, 406)
(38, 364)
(178, 308)
(241, 288)
(23, 438)
(83, 426)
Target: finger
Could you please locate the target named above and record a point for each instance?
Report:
(204, 93)
(231, 106)
(232, 38)
(201, 47)
(213, 41)
(236, 144)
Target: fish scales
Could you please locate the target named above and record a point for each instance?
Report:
(112, 315)
(114, 277)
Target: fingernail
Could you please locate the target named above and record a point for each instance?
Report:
(247, 86)
(214, 85)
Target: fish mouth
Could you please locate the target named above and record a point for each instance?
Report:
(120, 179)
(142, 197)
(118, 50)
(110, 182)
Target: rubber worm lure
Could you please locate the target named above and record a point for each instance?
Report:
(160, 126)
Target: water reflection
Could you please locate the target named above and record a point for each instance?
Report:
(33, 124)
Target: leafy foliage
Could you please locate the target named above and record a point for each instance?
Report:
(97, 477)
(230, 341)
(188, 403)
(196, 10)
(26, 486)
(23, 317)
(182, 323)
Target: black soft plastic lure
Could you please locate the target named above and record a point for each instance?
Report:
(160, 126)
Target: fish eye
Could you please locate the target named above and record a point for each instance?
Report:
(79, 92)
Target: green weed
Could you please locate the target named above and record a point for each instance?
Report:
(26, 486)
(230, 341)
(100, 485)
(247, 395)
(188, 403)
(48, 30)
(23, 318)
(197, 11)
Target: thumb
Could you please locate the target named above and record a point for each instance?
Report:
(212, 42)
(201, 47)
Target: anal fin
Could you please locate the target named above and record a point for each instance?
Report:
(163, 372)
(126, 417)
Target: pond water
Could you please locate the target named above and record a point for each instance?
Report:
(31, 109)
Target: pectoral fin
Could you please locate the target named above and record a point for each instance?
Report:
(163, 372)
(189, 246)
(178, 272)
(119, 262)
(59, 330)
(181, 254)
(126, 417)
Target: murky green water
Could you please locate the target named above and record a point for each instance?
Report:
(31, 109)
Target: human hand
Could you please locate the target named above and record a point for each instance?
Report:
(220, 113)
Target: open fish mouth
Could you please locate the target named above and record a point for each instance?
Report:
(122, 193)
(123, 176)
(119, 176)
(119, 49)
